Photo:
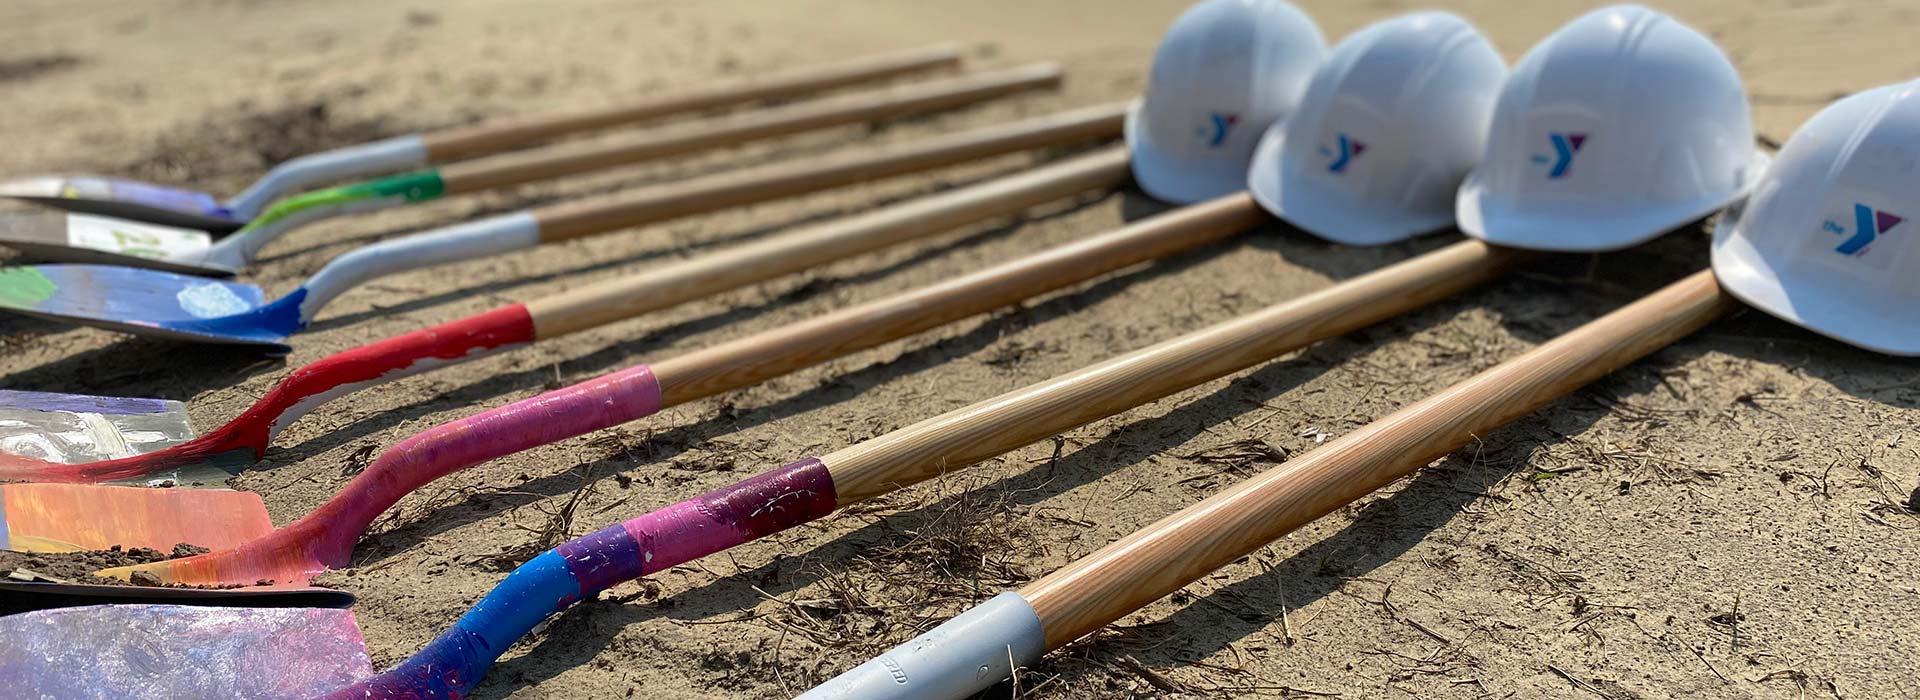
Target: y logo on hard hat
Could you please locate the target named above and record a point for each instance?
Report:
(1348, 149)
(1868, 225)
(1565, 144)
(1222, 124)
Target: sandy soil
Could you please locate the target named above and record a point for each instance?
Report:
(1731, 518)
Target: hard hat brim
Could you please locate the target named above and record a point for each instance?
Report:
(1777, 285)
(1582, 229)
(1324, 211)
(1177, 180)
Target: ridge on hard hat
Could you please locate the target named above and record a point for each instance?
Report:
(1389, 127)
(1827, 239)
(1621, 126)
(1224, 71)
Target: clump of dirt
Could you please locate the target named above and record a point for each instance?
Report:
(79, 567)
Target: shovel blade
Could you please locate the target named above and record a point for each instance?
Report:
(81, 517)
(50, 236)
(142, 302)
(173, 651)
(126, 199)
(76, 429)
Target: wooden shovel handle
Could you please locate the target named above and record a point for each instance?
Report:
(968, 435)
(776, 352)
(568, 159)
(798, 250)
(498, 135)
(1179, 549)
(650, 204)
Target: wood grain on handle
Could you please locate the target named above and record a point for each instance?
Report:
(494, 136)
(799, 250)
(656, 203)
(968, 435)
(1169, 554)
(776, 352)
(569, 159)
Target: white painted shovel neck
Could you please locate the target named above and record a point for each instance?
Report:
(478, 239)
(968, 654)
(376, 158)
(241, 249)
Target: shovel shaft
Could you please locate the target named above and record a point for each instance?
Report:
(816, 245)
(498, 135)
(652, 204)
(556, 161)
(967, 435)
(1175, 551)
(763, 356)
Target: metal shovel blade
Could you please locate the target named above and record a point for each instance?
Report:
(127, 199)
(76, 429)
(89, 238)
(180, 651)
(144, 302)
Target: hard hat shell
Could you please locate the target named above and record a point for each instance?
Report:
(1619, 127)
(1828, 238)
(1224, 71)
(1389, 126)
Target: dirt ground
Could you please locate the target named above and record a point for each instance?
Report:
(1733, 517)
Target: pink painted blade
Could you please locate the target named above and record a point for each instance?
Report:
(72, 517)
(173, 651)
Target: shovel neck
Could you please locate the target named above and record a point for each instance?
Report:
(478, 239)
(456, 660)
(383, 156)
(243, 247)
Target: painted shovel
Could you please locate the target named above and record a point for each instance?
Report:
(172, 206)
(71, 429)
(811, 488)
(980, 647)
(184, 307)
(73, 237)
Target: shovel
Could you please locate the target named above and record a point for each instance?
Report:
(172, 206)
(980, 647)
(71, 237)
(69, 508)
(196, 309)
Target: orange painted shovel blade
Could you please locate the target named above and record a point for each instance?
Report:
(79, 517)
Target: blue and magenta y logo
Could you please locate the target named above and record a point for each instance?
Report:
(1868, 224)
(1222, 124)
(1346, 149)
(1565, 144)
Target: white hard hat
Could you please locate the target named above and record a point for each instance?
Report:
(1619, 127)
(1389, 126)
(1226, 69)
(1828, 239)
